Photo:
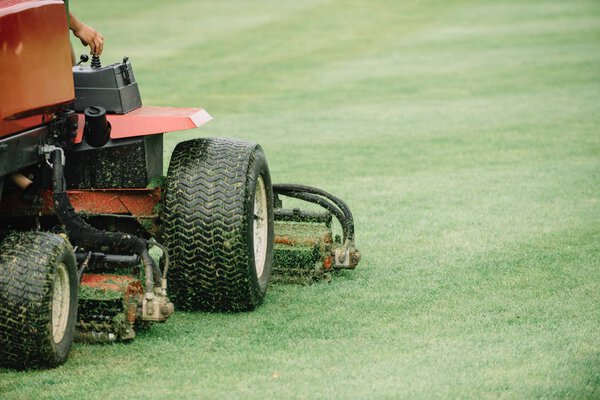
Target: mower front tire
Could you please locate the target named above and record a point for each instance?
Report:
(218, 225)
(38, 300)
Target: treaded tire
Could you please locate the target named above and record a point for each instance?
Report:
(209, 228)
(34, 267)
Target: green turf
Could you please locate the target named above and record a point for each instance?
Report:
(465, 135)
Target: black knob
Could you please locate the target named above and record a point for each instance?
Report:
(95, 62)
(83, 58)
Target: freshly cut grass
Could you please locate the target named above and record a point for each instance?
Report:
(465, 135)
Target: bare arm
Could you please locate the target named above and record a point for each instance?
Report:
(87, 35)
(21, 180)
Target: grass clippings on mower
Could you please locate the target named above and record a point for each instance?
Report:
(464, 135)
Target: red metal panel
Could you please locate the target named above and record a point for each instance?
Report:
(137, 202)
(35, 62)
(121, 283)
(129, 287)
(8, 127)
(148, 120)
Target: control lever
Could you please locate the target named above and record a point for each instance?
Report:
(125, 71)
(83, 58)
(96, 62)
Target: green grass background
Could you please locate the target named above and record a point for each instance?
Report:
(465, 135)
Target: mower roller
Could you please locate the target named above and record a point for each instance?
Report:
(88, 246)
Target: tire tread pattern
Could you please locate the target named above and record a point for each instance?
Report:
(26, 273)
(204, 224)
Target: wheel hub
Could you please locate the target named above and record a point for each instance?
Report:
(60, 302)
(260, 226)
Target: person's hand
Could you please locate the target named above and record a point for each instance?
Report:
(89, 36)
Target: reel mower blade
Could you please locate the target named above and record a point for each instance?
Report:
(302, 250)
(305, 249)
(107, 308)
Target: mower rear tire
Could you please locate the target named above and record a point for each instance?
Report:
(218, 225)
(38, 300)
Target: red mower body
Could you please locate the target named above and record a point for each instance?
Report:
(35, 63)
(36, 82)
(36, 76)
(78, 234)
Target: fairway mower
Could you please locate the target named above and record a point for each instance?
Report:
(88, 244)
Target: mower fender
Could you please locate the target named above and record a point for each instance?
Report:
(149, 121)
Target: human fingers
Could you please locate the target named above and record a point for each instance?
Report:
(99, 44)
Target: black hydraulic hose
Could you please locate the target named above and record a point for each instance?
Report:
(165, 257)
(82, 234)
(163, 281)
(313, 190)
(345, 219)
(323, 203)
(287, 189)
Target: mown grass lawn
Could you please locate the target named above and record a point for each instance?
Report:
(465, 135)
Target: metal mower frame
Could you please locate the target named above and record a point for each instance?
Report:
(86, 250)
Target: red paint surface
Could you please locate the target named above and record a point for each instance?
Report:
(327, 262)
(148, 120)
(130, 287)
(136, 202)
(109, 282)
(35, 62)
